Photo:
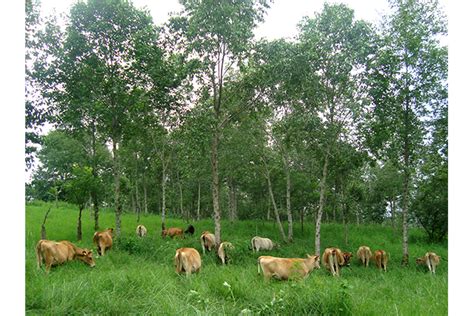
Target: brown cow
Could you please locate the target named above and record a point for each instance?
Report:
(364, 254)
(208, 241)
(286, 268)
(223, 253)
(172, 232)
(334, 259)
(431, 260)
(54, 253)
(381, 259)
(187, 260)
(141, 231)
(103, 240)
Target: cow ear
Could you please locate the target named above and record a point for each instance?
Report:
(84, 253)
(308, 256)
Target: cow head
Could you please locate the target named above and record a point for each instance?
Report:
(347, 257)
(164, 232)
(420, 260)
(314, 261)
(85, 255)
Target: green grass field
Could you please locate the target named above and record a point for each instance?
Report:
(137, 276)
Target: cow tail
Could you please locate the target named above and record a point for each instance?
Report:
(332, 261)
(95, 239)
(253, 244)
(39, 258)
(178, 262)
(258, 264)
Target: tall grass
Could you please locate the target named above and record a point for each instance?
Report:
(137, 276)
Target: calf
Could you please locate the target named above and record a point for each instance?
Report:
(189, 230)
(381, 259)
(208, 241)
(259, 243)
(103, 240)
(55, 253)
(187, 260)
(364, 254)
(223, 253)
(286, 268)
(334, 259)
(431, 260)
(172, 232)
(141, 231)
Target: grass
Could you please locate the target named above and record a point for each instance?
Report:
(137, 276)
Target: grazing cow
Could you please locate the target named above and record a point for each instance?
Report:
(54, 253)
(208, 241)
(187, 260)
(260, 243)
(364, 255)
(381, 259)
(189, 230)
(286, 268)
(334, 259)
(223, 253)
(141, 231)
(103, 240)
(431, 260)
(172, 232)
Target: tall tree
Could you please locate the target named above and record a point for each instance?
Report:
(219, 32)
(407, 85)
(335, 47)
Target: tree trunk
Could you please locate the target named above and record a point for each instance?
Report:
(319, 214)
(79, 223)
(272, 198)
(288, 198)
(346, 225)
(406, 183)
(302, 220)
(145, 198)
(215, 187)
(118, 206)
(199, 202)
(163, 193)
(43, 227)
(95, 199)
(181, 210)
(392, 211)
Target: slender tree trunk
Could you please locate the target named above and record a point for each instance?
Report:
(118, 206)
(94, 195)
(392, 211)
(145, 198)
(215, 186)
(319, 214)
(163, 193)
(180, 187)
(95, 202)
(272, 198)
(288, 198)
(302, 220)
(229, 200)
(79, 223)
(406, 183)
(43, 227)
(199, 202)
(269, 206)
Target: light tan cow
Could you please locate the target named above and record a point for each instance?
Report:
(141, 231)
(286, 268)
(223, 252)
(381, 259)
(172, 232)
(103, 240)
(187, 260)
(431, 260)
(364, 254)
(334, 259)
(260, 243)
(54, 253)
(208, 241)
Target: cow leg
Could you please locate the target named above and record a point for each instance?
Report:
(48, 263)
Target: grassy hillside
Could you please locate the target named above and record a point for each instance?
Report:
(137, 276)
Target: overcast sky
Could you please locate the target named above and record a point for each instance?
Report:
(280, 21)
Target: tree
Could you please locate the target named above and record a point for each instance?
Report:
(407, 85)
(334, 47)
(219, 33)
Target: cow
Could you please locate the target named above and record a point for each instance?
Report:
(334, 259)
(172, 232)
(364, 254)
(103, 240)
(260, 243)
(381, 259)
(223, 253)
(189, 230)
(187, 260)
(431, 260)
(141, 231)
(208, 241)
(54, 253)
(286, 268)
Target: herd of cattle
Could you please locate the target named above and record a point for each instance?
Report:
(188, 260)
